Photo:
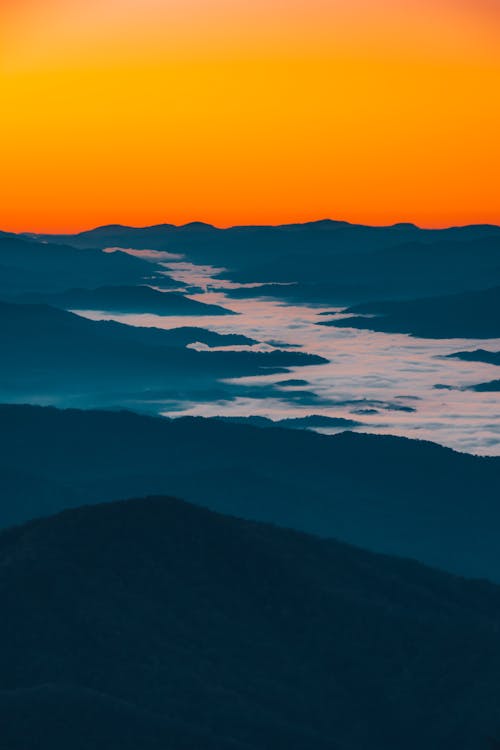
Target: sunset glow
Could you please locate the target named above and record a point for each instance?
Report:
(230, 111)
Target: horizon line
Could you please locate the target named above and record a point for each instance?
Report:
(323, 220)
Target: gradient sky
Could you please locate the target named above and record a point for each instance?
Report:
(248, 111)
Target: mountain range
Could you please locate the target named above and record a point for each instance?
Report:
(242, 582)
(331, 262)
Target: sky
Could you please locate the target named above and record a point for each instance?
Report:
(248, 112)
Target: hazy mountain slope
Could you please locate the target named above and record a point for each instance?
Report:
(389, 494)
(393, 272)
(468, 315)
(182, 336)
(50, 355)
(491, 386)
(126, 299)
(42, 266)
(245, 631)
(478, 355)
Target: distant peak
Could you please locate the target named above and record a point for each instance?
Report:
(328, 223)
(109, 227)
(404, 225)
(197, 225)
(319, 224)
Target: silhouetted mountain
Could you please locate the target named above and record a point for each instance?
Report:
(116, 235)
(53, 356)
(203, 238)
(126, 299)
(209, 243)
(468, 315)
(478, 355)
(388, 494)
(160, 616)
(41, 266)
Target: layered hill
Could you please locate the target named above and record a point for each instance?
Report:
(53, 356)
(388, 494)
(478, 355)
(33, 266)
(126, 299)
(468, 315)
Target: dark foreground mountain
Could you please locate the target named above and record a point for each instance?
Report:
(202, 631)
(60, 716)
(53, 356)
(467, 315)
(126, 299)
(393, 495)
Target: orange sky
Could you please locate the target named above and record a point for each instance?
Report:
(248, 111)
